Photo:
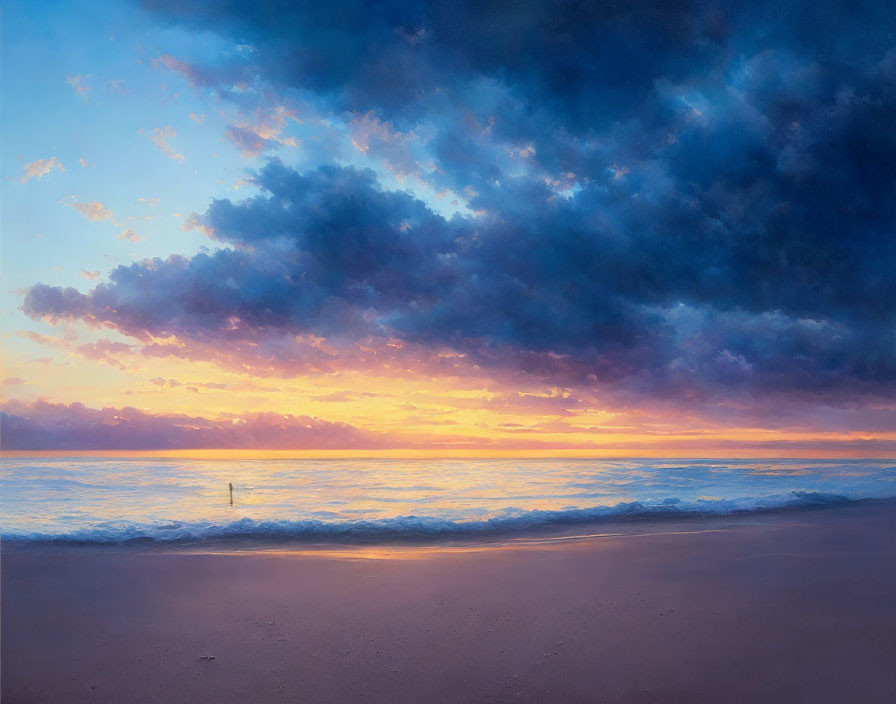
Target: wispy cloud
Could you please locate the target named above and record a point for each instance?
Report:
(93, 210)
(196, 76)
(117, 86)
(97, 212)
(160, 137)
(129, 235)
(78, 82)
(253, 136)
(104, 351)
(40, 168)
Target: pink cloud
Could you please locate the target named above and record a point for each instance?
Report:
(253, 136)
(43, 425)
(104, 351)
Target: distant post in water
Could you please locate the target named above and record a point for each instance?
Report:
(230, 487)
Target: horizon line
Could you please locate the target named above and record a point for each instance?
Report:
(410, 453)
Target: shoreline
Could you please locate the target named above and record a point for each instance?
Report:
(506, 532)
(793, 606)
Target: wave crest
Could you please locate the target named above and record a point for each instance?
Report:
(509, 520)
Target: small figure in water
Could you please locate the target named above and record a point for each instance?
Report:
(230, 487)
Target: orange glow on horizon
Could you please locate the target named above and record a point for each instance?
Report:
(458, 454)
(421, 416)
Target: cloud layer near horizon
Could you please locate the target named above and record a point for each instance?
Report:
(43, 425)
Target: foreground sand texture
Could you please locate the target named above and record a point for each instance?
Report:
(786, 607)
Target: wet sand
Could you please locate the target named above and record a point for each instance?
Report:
(786, 607)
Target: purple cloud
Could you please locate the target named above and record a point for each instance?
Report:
(54, 426)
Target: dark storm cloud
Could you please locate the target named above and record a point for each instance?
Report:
(330, 253)
(541, 70)
(681, 197)
(581, 58)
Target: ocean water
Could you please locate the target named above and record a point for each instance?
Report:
(119, 500)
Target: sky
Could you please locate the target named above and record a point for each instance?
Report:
(593, 228)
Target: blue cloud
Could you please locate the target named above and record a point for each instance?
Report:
(676, 197)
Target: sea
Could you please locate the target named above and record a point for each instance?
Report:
(172, 501)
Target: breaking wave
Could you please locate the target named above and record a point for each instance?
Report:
(506, 521)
